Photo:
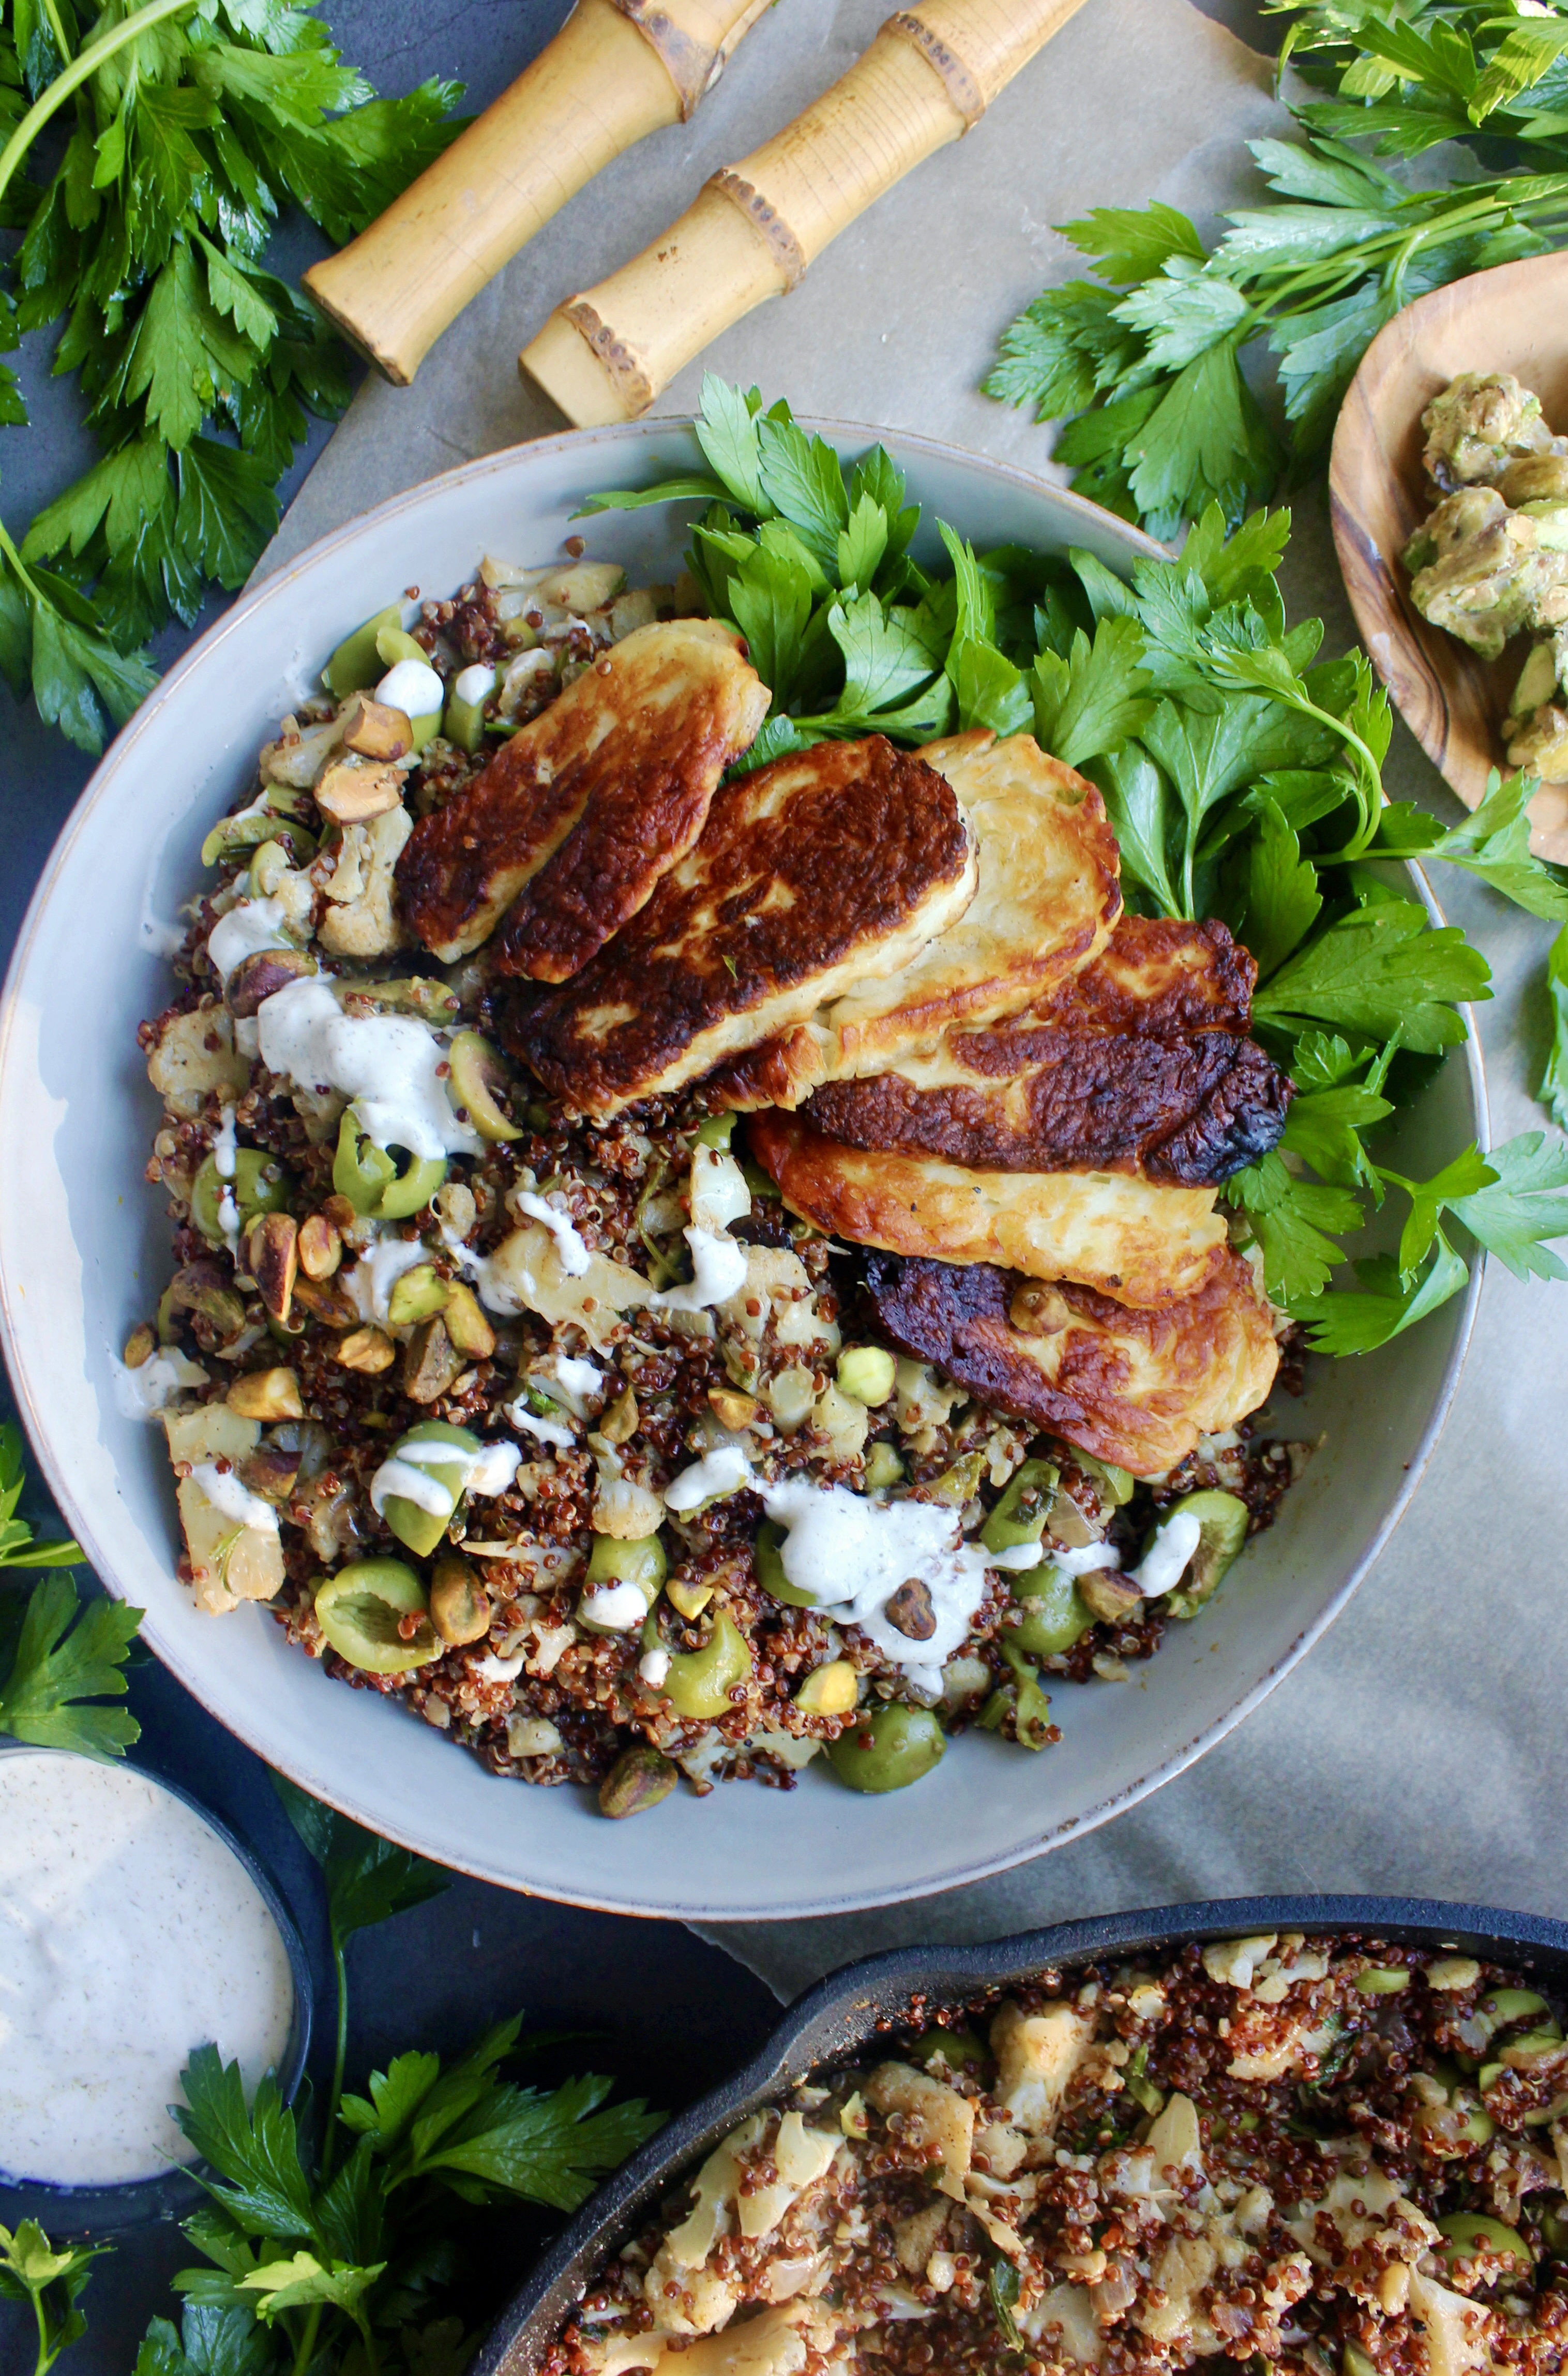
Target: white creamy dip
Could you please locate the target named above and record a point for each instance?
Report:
(129, 1935)
(852, 1555)
(386, 1064)
(233, 1500)
(254, 924)
(569, 1242)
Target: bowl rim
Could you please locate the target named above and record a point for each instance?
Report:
(836, 2014)
(115, 2209)
(276, 587)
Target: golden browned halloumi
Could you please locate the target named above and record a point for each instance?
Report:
(1145, 1244)
(810, 874)
(1046, 899)
(576, 818)
(1134, 1387)
(1122, 1070)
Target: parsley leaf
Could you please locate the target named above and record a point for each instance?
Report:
(55, 1660)
(1093, 701)
(1554, 1079)
(1352, 1321)
(52, 2282)
(1283, 901)
(1380, 970)
(368, 1880)
(1295, 1223)
(1522, 1206)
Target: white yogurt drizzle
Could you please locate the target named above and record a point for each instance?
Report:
(717, 1473)
(616, 1607)
(233, 1500)
(1164, 1563)
(476, 683)
(553, 1431)
(374, 1277)
(254, 924)
(142, 1393)
(385, 1064)
(414, 687)
(654, 1667)
(852, 1555)
(718, 1266)
(569, 1245)
(434, 1475)
(578, 1380)
(224, 1155)
(1086, 1561)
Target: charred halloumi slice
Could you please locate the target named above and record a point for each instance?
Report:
(1147, 1245)
(576, 818)
(1137, 1389)
(810, 875)
(1045, 901)
(1122, 1072)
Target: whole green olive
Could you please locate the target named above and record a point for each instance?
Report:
(259, 1185)
(640, 1562)
(887, 1748)
(699, 1683)
(441, 1456)
(1056, 1614)
(1223, 1521)
(359, 1610)
(1468, 2233)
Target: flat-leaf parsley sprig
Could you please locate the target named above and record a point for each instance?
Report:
(1144, 362)
(188, 125)
(57, 1662)
(1242, 773)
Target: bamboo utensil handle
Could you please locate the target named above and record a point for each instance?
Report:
(618, 70)
(927, 77)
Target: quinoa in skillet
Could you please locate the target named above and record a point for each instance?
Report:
(514, 1423)
(1325, 2156)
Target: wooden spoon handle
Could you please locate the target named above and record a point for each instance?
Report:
(927, 77)
(618, 70)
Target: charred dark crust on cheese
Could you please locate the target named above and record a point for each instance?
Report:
(1158, 974)
(957, 1316)
(1188, 1112)
(768, 901)
(576, 824)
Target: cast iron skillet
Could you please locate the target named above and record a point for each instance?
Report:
(834, 2019)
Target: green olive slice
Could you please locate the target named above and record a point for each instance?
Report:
(1223, 1520)
(1056, 1613)
(478, 1083)
(259, 1185)
(361, 1611)
(768, 1556)
(699, 1683)
(422, 1449)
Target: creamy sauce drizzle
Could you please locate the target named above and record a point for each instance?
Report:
(374, 1276)
(143, 1392)
(553, 1431)
(724, 1471)
(129, 1935)
(233, 1500)
(616, 1607)
(434, 1476)
(852, 1555)
(414, 687)
(254, 924)
(1165, 1561)
(385, 1064)
(718, 1265)
(569, 1243)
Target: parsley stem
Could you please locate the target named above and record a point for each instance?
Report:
(96, 53)
(329, 2141)
(24, 575)
(57, 30)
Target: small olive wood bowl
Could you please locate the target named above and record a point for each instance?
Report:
(1513, 319)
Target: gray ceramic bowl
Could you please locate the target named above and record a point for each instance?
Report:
(84, 1254)
(834, 2020)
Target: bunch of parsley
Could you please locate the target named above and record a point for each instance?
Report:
(1243, 775)
(1145, 362)
(188, 125)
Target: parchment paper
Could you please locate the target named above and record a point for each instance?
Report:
(1420, 1747)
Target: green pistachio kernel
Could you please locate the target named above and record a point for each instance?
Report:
(416, 1295)
(361, 1609)
(259, 1185)
(700, 1683)
(883, 1467)
(868, 1374)
(887, 1748)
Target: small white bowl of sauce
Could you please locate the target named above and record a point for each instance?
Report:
(133, 1929)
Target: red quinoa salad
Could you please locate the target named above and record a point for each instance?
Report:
(1330, 2155)
(550, 1405)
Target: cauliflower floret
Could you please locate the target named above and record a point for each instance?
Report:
(361, 920)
